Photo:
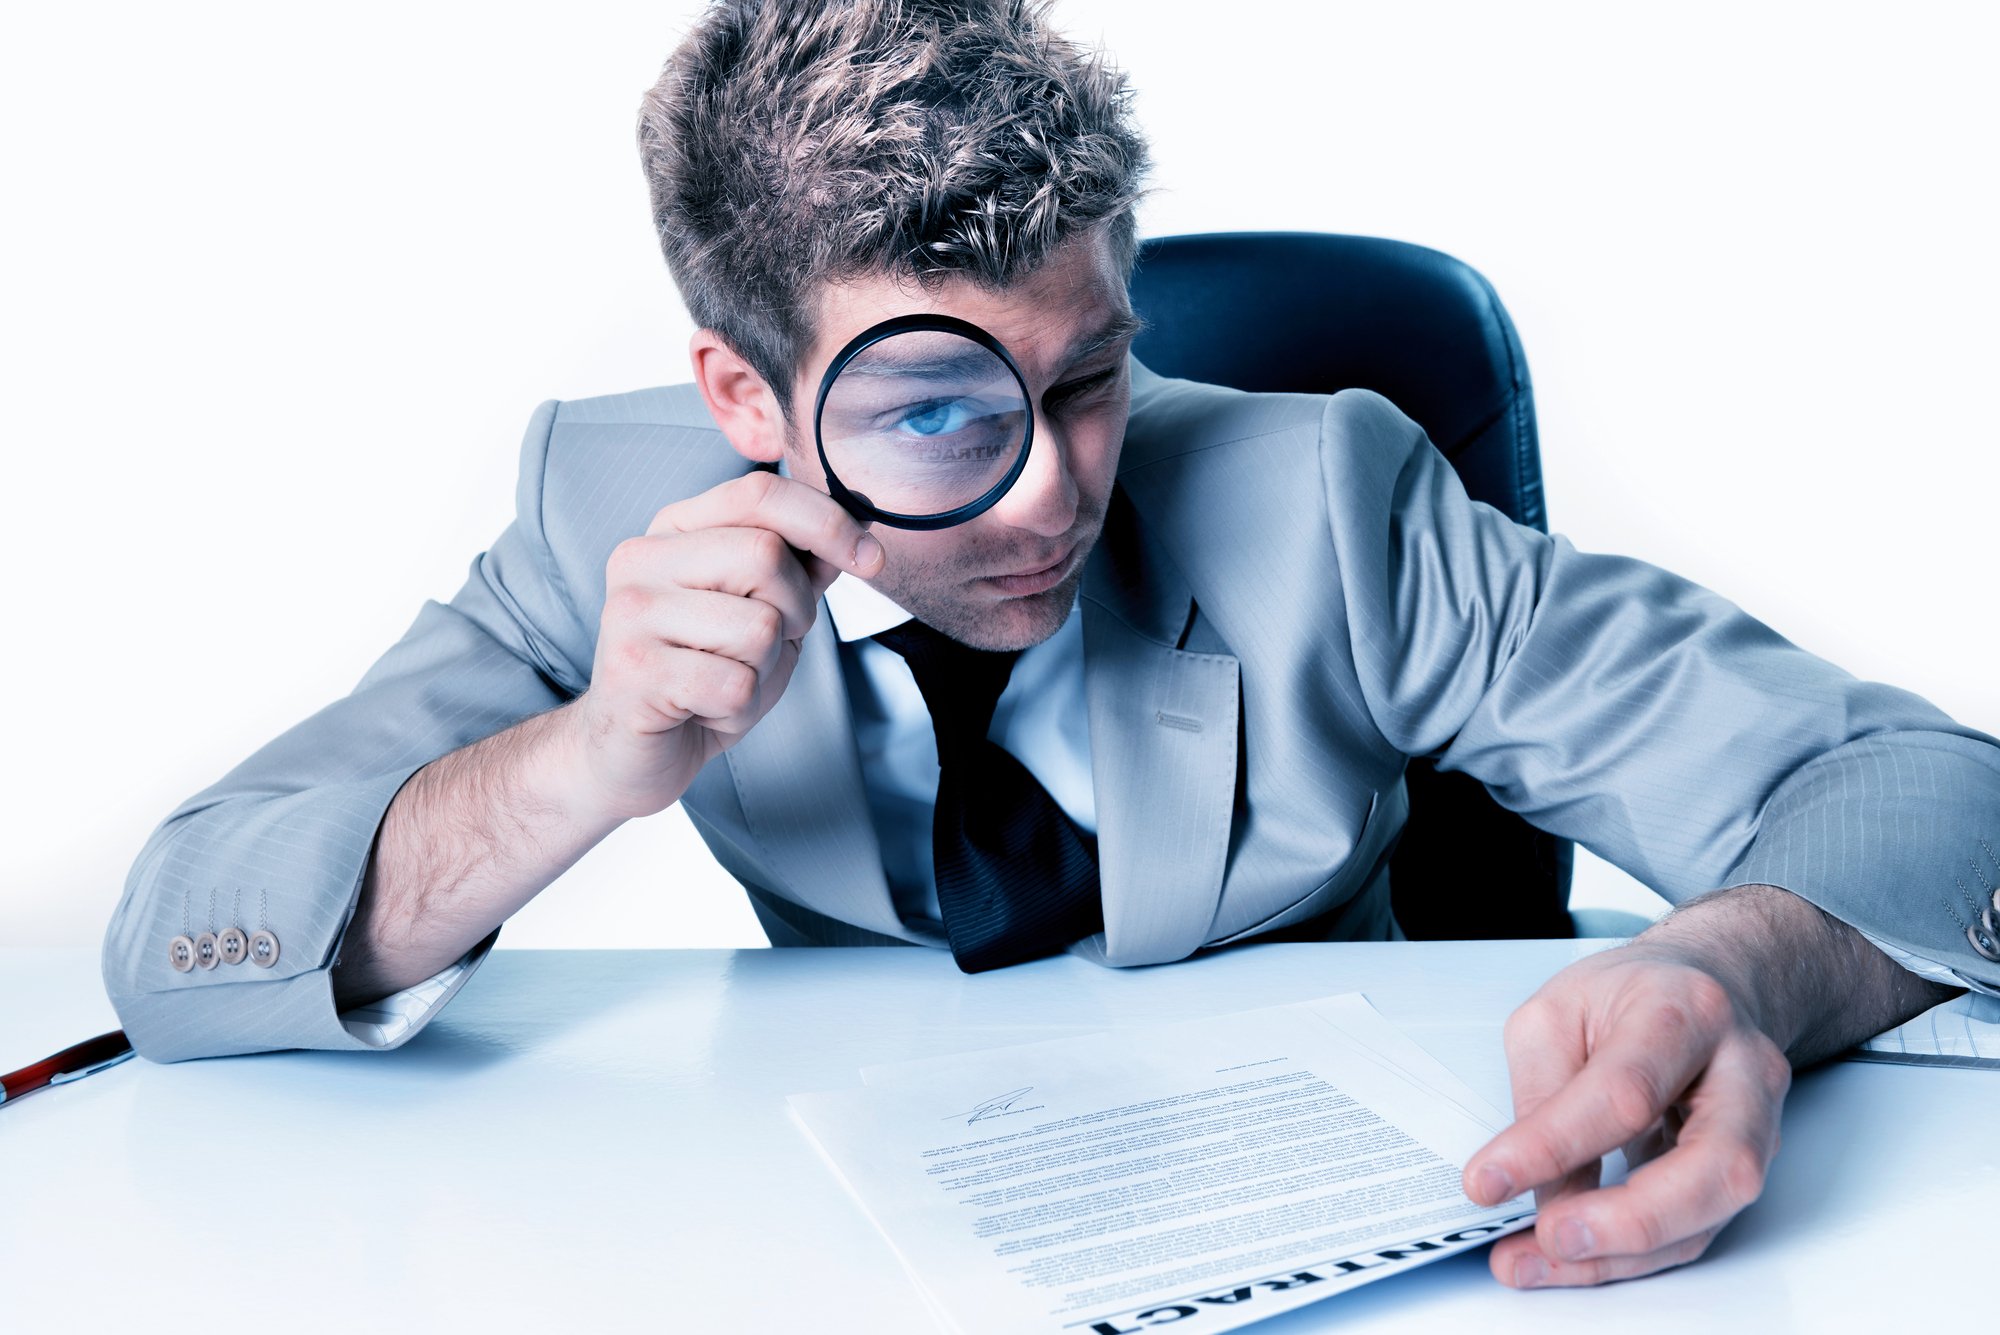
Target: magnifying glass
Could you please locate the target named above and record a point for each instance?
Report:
(922, 422)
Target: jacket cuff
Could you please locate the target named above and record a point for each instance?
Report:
(290, 865)
(1894, 834)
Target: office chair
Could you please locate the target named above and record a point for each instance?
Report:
(1313, 312)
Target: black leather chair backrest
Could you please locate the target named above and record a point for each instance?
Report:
(1314, 312)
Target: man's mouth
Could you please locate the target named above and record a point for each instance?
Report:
(1036, 580)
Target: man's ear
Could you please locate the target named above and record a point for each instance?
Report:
(738, 398)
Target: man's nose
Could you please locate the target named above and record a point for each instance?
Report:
(1043, 499)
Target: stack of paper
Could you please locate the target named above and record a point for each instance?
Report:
(1205, 1174)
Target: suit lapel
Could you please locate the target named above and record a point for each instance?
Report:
(798, 778)
(1163, 750)
(1163, 740)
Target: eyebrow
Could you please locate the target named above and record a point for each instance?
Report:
(879, 361)
(1125, 325)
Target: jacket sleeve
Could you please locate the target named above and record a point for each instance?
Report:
(1655, 723)
(281, 842)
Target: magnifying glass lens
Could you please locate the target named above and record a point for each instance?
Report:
(923, 422)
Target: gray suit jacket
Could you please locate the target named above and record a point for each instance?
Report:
(1292, 595)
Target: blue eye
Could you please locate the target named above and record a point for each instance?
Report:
(936, 419)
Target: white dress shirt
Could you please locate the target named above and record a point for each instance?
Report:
(1041, 721)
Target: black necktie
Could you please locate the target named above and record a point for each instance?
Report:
(1016, 878)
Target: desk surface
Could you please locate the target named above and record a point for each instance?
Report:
(598, 1141)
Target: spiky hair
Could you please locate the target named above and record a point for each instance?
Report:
(789, 143)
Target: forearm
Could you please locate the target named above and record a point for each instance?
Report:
(467, 841)
(1814, 985)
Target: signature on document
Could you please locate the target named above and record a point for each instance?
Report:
(1000, 1105)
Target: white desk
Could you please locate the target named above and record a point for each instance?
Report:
(598, 1141)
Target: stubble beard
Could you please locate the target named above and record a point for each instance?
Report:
(935, 593)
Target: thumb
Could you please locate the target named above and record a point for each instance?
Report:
(868, 559)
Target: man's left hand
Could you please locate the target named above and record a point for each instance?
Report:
(1641, 1048)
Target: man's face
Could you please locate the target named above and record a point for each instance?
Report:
(1006, 579)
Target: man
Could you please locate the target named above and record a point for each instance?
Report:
(1224, 656)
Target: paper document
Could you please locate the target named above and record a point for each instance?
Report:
(1204, 1174)
(1964, 1031)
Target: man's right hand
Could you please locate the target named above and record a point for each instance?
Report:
(701, 627)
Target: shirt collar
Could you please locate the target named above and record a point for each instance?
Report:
(858, 611)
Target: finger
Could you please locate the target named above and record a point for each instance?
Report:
(1655, 1141)
(1519, 1263)
(746, 629)
(1545, 1049)
(1586, 1177)
(1716, 1169)
(689, 686)
(820, 573)
(1649, 1056)
(1649, 1145)
(746, 562)
(806, 518)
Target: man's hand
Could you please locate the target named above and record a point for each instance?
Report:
(1637, 1050)
(700, 632)
(1679, 1049)
(701, 628)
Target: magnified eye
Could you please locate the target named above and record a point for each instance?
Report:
(922, 421)
(937, 417)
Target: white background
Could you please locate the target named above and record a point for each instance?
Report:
(282, 287)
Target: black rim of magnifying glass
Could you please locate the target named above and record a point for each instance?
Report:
(860, 507)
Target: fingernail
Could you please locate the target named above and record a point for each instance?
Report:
(1491, 1185)
(1530, 1272)
(1573, 1240)
(867, 552)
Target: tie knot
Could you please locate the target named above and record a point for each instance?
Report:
(960, 684)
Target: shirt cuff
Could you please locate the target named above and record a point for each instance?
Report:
(386, 1023)
(1930, 970)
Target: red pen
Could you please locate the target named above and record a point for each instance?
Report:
(86, 1058)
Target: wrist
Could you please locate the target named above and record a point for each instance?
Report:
(603, 782)
(566, 755)
(1772, 952)
(1813, 985)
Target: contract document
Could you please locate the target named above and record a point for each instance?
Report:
(1203, 1174)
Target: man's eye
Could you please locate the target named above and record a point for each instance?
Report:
(936, 418)
(1076, 389)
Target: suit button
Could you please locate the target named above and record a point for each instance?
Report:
(263, 949)
(180, 953)
(233, 945)
(205, 952)
(1983, 941)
